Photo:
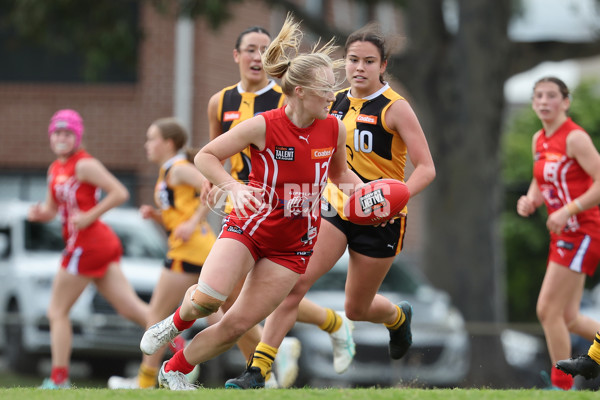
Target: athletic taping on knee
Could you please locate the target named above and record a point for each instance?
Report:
(206, 300)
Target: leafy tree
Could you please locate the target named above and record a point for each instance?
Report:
(215, 12)
(103, 38)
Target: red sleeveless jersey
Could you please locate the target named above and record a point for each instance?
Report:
(72, 195)
(561, 179)
(292, 169)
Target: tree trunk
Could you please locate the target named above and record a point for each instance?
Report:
(458, 92)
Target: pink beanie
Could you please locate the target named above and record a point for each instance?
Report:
(67, 119)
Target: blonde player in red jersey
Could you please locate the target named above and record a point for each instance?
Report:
(271, 233)
(93, 250)
(254, 94)
(381, 129)
(566, 178)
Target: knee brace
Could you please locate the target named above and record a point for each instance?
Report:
(206, 300)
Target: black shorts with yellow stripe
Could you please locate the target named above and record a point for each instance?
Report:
(182, 266)
(371, 241)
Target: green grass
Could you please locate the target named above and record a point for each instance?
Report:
(11, 380)
(296, 394)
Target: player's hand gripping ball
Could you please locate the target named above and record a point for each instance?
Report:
(376, 202)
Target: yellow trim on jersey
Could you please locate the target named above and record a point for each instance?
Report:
(239, 106)
(373, 150)
(196, 249)
(178, 204)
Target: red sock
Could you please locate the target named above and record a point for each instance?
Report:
(59, 374)
(180, 324)
(561, 379)
(179, 363)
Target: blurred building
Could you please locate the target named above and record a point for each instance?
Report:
(116, 115)
(179, 66)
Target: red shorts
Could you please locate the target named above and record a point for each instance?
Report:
(577, 251)
(92, 262)
(292, 260)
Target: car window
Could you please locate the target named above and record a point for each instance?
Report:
(333, 280)
(43, 237)
(5, 247)
(399, 279)
(137, 240)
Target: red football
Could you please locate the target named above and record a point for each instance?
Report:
(376, 202)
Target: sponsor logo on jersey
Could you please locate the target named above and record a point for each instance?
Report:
(553, 156)
(301, 204)
(304, 253)
(231, 116)
(561, 244)
(284, 153)
(367, 119)
(235, 229)
(321, 153)
(338, 114)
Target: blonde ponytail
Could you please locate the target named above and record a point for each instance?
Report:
(283, 60)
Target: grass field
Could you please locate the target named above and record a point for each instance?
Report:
(295, 394)
(17, 386)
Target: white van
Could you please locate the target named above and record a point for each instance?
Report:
(29, 258)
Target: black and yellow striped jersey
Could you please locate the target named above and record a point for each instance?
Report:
(177, 205)
(235, 106)
(373, 150)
